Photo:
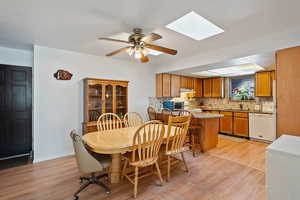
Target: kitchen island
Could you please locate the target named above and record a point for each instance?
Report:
(204, 129)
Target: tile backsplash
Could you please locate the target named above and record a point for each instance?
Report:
(218, 103)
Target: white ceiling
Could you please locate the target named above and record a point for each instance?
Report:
(75, 25)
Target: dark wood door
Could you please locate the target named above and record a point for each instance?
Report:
(15, 110)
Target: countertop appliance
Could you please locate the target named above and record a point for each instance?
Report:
(173, 105)
(262, 126)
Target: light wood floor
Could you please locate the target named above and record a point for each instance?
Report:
(232, 171)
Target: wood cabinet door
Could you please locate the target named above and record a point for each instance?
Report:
(166, 85)
(207, 87)
(198, 87)
(217, 87)
(190, 82)
(183, 82)
(159, 85)
(287, 92)
(263, 84)
(175, 85)
(226, 125)
(241, 126)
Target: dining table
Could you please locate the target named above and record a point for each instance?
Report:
(115, 142)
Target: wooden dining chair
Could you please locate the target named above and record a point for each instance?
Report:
(151, 113)
(133, 119)
(108, 121)
(193, 127)
(147, 141)
(177, 130)
(165, 115)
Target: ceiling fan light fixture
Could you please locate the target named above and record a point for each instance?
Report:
(137, 55)
(130, 51)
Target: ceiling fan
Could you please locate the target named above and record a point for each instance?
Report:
(139, 45)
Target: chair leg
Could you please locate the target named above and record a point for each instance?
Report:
(185, 165)
(124, 169)
(193, 145)
(107, 189)
(169, 168)
(82, 187)
(136, 178)
(158, 173)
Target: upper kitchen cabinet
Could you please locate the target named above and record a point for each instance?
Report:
(175, 85)
(217, 87)
(167, 85)
(198, 87)
(163, 85)
(159, 85)
(207, 84)
(263, 84)
(186, 82)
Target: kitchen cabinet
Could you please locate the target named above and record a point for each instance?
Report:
(163, 85)
(186, 82)
(241, 124)
(207, 83)
(217, 87)
(166, 85)
(159, 85)
(273, 75)
(226, 123)
(263, 84)
(287, 91)
(198, 87)
(175, 85)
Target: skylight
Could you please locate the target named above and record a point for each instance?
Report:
(231, 71)
(195, 26)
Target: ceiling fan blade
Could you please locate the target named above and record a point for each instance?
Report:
(117, 51)
(144, 58)
(162, 49)
(151, 37)
(113, 40)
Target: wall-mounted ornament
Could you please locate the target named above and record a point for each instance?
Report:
(62, 75)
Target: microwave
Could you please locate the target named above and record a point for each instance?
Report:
(173, 105)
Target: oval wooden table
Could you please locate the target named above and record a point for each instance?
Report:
(113, 142)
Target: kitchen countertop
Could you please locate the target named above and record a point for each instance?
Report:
(235, 110)
(201, 115)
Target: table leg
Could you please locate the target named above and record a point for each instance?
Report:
(115, 168)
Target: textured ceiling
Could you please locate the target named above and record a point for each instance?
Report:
(75, 25)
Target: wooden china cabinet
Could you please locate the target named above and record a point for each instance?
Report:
(103, 96)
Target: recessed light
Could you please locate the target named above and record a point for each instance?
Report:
(195, 26)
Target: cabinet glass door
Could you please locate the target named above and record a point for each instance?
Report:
(95, 101)
(121, 101)
(108, 98)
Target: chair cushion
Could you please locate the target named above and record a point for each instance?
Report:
(104, 159)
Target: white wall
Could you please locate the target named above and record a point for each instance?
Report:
(58, 105)
(18, 57)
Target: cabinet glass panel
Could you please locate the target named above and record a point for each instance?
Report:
(121, 101)
(95, 101)
(109, 99)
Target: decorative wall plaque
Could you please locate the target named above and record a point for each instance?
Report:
(62, 75)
